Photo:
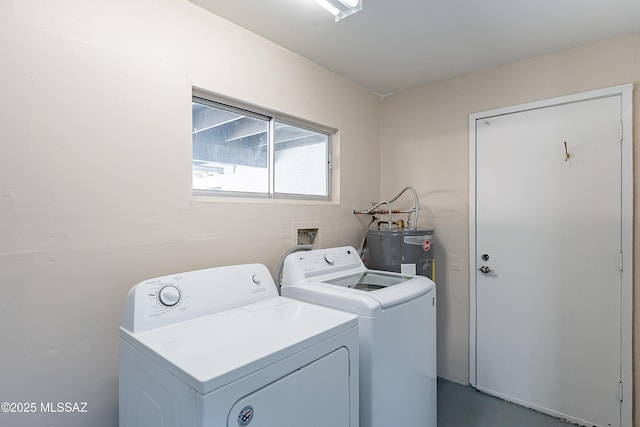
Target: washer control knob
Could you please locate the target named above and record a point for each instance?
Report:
(255, 279)
(330, 259)
(169, 295)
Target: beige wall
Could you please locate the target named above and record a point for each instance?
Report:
(95, 177)
(425, 139)
(95, 172)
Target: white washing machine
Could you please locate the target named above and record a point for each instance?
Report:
(219, 347)
(397, 328)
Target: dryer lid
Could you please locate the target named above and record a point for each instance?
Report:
(212, 351)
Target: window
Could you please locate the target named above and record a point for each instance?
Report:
(241, 152)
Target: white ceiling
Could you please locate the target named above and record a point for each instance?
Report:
(393, 45)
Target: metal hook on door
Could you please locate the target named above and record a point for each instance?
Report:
(567, 156)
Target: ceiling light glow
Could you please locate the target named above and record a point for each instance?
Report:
(341, 8)
(350, 3)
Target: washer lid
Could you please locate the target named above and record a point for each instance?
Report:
(369, 302)
(388, 289)
(369, 280)
(209, 352)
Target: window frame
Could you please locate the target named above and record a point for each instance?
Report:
(238, 107)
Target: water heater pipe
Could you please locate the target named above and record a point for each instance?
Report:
(414, 210)
(416, 204)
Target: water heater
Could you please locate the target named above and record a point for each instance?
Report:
(409, 251)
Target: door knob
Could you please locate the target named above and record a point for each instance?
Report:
(485, 269)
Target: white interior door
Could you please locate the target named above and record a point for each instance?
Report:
(549, 232)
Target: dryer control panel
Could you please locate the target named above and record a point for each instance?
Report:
(162, 301)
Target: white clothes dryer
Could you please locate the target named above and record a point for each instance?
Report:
(219, 347)
(397, 330)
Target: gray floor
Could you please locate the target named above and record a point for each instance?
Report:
(459, 405)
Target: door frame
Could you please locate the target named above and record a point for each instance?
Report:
(626, 351)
